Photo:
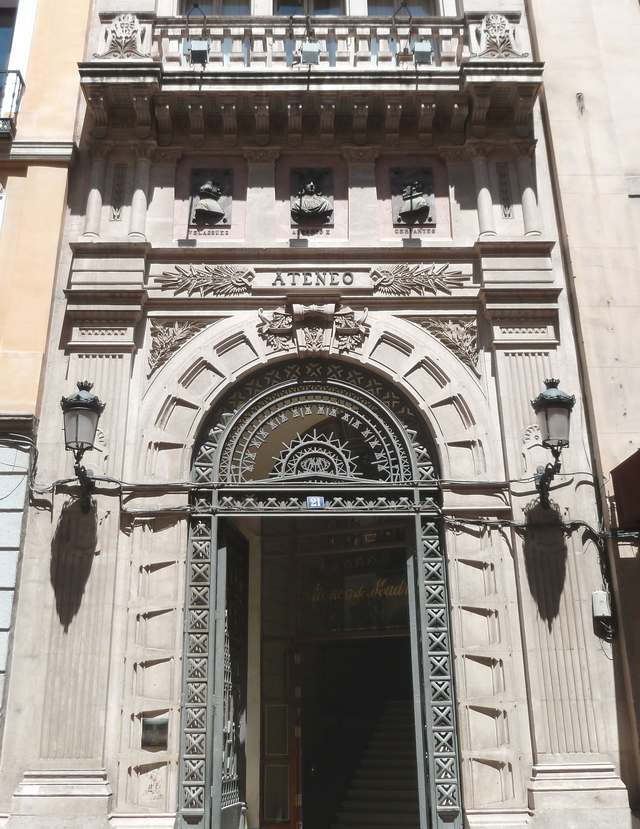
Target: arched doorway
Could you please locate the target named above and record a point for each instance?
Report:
(321, 442)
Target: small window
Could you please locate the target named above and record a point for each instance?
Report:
(384, 8)
(227, 8)
(316, 7)
(7, 25)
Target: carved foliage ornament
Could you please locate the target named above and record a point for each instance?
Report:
(216, 280)
(313, 328)
(404, 280)
(459, 335)
(497, 38)
(124, 38)
(167, 338)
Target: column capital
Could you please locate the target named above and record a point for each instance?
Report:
(261, 155)
(360, 154)
(145, 150)
(480, 149)
(453, 154)
(101, 150)
(525, 149)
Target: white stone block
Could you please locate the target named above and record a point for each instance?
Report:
(13, 458)
(10, 528)
(8, 568)
(6, 605)
(13, 490)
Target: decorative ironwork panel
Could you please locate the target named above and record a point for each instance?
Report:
(235, 672)
(392, 444)
(442, 758)
(201, 577)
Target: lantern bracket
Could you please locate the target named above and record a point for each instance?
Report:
(545, 475)
(85, 479)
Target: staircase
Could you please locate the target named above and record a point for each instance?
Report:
(383, 791)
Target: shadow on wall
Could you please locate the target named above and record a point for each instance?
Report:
(545, 558)
(72, 551)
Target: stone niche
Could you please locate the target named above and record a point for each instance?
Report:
(413, 201)
(209, 204)
(211, 200)
(312, 198)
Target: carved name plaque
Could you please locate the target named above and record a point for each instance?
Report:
(331, 279)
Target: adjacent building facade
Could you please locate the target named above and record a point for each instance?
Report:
(316, 261)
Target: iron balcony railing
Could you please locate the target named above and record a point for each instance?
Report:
(11, 91)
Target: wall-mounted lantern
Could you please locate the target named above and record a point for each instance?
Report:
(197, 49)
(423, 51)
(553, 409)
(81, 411)
(309, 51)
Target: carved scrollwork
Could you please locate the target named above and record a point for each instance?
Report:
(167, 338)
(205, 280)
(497, 38)
(124, 38)
(403, 280)
(458, 334)
(313, 328)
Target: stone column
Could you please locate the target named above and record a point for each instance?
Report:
(363, 217)
(261, 182)
(483, 192)
(528, 197)
(139, 201)
(93, 212)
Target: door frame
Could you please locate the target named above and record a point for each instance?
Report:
(437, 750)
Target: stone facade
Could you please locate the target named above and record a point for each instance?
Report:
(427, 257)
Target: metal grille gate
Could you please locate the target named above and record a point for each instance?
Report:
(210, 795)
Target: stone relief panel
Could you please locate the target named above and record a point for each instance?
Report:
(168, 337)
(311, 198)
(211, 200)
(413, 198)
(496, 37)
(124, 38)
(313, 328)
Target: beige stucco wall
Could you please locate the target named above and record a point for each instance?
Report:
(595, 146)
(35, 198)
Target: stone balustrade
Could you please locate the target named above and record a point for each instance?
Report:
(273, 42)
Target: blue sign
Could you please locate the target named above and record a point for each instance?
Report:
(315, 502)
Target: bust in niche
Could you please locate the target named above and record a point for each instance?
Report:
(310, 205)
(413, 198)
(208, 211)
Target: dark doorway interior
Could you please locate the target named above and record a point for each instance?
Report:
(357, 733)
(337, 690)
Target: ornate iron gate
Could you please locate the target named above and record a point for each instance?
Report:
(361, 449)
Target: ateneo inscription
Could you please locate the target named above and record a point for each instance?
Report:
(312, 279)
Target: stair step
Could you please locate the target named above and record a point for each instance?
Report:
(393, 805)
(377, 819)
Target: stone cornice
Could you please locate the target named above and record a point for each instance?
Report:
(46, 151)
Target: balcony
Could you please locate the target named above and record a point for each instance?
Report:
(254, 73)
(11, 91)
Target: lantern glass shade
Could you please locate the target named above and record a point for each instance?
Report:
(554, 423)
(553, 411)
(80, 426)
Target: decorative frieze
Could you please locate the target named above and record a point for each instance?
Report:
(404, 280)
(208, 280)
(313, 328)
(167, 338)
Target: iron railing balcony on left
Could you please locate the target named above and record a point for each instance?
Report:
(11, 90)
